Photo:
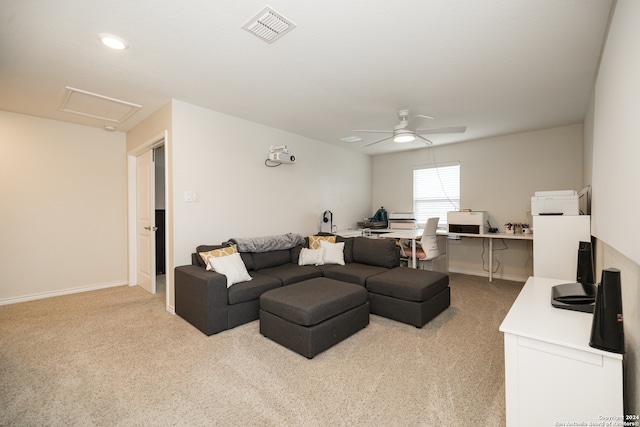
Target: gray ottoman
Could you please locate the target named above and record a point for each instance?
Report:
(408, 295)
(312, 316)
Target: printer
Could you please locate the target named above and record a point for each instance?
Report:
(402, 220)
(562, 202)
(470, 222)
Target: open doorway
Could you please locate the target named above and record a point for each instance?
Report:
(160, 219)
(143, 250)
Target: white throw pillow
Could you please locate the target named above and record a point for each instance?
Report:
(311, 256)
(333, 252)
(232, 267)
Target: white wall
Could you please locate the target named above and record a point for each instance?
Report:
(616, 151)
(222, 158)
(498, 175)
(63, 217)
(611, 157)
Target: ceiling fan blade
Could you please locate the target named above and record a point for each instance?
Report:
(424, 117)
(434, 131)
(375, 142)
(425, 140)
(373, 131)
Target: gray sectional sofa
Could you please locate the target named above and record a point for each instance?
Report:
(410, 296)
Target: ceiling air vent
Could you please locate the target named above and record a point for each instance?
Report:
(269, 25)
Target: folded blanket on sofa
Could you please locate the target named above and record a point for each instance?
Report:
(268, 243)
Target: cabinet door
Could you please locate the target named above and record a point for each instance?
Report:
(555, 245)
(548, 384)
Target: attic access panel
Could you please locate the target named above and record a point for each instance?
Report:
(100, 107)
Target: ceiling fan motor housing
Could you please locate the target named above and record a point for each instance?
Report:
(404, 115)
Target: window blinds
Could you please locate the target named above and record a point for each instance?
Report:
(436, 191)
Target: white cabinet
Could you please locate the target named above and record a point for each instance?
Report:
(552, 375)
(555, 244)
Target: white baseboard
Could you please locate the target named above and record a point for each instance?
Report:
(32, 297)
(485, 274)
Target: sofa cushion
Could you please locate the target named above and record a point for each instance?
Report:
(270, 259)
(378, 252)
(292, 273)
(295, 252)
(353, 273)
(248, 260)
(252, 289)
(348, 247)
(326, 267)
(408, 284)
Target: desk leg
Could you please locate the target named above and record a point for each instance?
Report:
(413, 258)
(490, 259)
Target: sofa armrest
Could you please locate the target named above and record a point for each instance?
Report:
(201, 298)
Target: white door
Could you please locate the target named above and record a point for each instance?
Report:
(145, 222)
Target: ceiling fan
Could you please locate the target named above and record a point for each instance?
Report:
(402, 134)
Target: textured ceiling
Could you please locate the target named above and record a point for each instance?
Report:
(496, 66)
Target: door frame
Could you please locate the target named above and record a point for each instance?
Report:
(150, 144)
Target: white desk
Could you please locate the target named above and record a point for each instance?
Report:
(350, 233)
(552, 375)
(491, 237)
(413, 235)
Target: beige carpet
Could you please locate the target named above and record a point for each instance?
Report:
(115, 357)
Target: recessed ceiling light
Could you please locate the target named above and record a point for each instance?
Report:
(114, 42)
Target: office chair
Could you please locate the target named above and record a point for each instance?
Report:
(427, 247)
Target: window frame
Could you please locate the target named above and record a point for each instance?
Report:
(446, 199)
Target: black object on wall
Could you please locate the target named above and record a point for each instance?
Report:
(607, 329)
(160, 242)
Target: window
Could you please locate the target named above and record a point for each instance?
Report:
(436, 191)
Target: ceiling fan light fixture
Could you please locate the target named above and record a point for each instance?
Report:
(403, 134)
(404, 137)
